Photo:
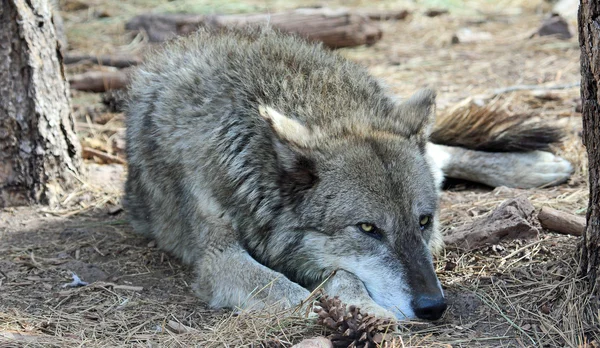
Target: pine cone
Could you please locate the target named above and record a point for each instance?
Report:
(351, 327)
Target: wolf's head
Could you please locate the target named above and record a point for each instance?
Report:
(367, 200)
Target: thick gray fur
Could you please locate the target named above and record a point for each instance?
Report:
(255, 156)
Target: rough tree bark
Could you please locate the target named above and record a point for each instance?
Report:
(589, 41)
(39, 150)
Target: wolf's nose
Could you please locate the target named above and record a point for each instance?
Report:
(429, 308)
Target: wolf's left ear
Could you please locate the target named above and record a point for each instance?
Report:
(417, 114)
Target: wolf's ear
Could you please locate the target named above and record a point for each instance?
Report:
(296, 169)
(417, 114)
(286, 128)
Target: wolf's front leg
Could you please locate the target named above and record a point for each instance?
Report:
(227, 276)
(352, 291)
(512, 169)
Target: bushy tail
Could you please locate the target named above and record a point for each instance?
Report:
(489, 128)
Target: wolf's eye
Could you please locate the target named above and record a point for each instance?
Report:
(424, 221)
(366, 228)
(369, 229)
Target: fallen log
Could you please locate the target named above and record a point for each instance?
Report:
(116, 61)
(561, 222)
(434, 12)
(99, 81)
(384, 15)
(335, 28)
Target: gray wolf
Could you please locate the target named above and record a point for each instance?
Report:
(268, 163)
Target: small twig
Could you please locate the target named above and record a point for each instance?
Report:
(34, 263)
(508, 320)
(127, 287)
(98, 251)
(314, 292)
(177, 327)
(104, 285)
(477, 339)
(519, 250)
(88, 152)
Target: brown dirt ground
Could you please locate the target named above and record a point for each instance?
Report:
(518, 293)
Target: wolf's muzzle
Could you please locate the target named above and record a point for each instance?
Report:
(428, 307)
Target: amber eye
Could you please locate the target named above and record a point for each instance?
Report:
(424, 220)
(369, 229)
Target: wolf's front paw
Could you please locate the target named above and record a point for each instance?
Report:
(287, 294)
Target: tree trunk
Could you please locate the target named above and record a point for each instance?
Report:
(589, 41)
(39, 151)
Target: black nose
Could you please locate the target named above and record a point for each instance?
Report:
(429, 308)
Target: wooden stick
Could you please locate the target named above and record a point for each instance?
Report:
(434, 12)
(127, 287)
(118, 286)
(116, 61)
(178, 328)
(90, 153)
(535, 87)
(335, 28)
(383, 15)
(99, 81)
(561, 222)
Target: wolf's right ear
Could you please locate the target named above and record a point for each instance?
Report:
(416, 115)
(297, 169)
(286, 128)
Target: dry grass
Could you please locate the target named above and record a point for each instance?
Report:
(519, 293)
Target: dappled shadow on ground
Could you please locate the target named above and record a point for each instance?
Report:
(136, 292)
(133, 286)
(134, 289)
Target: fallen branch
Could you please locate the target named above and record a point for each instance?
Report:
(116, 61)
(434, 12)
(90, 153)
(178, 328)
(561, 222)
(383, 15)
(535, 87)
(21, 337)
(99, 81)
(335, 28)
(118, 287)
